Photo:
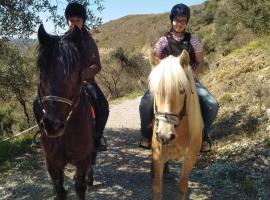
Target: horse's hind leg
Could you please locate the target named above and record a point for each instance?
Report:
(188, 164)
(80, 179)
(57, 175)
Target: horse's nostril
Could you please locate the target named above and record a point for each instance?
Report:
(52, 125)
(59, 126)
(172, 136)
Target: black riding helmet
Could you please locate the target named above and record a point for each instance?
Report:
(180, 10)
(75, 9)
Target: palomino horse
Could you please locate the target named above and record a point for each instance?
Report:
(66, 126)
(177, 132)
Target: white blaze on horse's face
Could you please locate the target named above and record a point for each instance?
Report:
(168, 119)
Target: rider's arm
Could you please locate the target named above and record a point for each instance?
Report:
(95, 68)
(199, 62)
(158, 50)
(94, 61)
(198, 49)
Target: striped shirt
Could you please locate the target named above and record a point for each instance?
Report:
(163, 42)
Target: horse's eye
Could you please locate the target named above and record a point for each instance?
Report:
(182, 91)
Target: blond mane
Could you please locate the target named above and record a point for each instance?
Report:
(168, 78)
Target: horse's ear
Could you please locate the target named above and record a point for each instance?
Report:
(184, 59)
(43, 36)
(154, 60)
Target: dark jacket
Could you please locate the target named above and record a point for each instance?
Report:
(90, 56)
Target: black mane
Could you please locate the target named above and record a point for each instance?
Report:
(59, 51)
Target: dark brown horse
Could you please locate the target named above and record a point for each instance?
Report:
(66, 125)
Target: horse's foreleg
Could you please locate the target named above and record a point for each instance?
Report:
(57, 176)
(90, 175)
(90, 178)
(157, 174)
(188, 164)
(80, 179)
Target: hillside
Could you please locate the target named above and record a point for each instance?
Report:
(210, 21)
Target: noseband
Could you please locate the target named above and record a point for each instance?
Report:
(69, 102)
(170, 118)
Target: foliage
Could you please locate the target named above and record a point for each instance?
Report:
(12, 148)
(209, 13)
(21, 17)
(209, 45)
(15, 77)
(122, 72)
(7, 120)
(254, 14)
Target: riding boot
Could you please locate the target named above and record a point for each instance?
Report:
(101, 108)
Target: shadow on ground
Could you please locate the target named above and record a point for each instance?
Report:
(123, 172)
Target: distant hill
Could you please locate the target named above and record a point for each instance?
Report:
(209, 21)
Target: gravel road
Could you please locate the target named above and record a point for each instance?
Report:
(122, 172)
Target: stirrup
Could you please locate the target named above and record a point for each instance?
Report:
(103, 147)
(35, 143)
(205, 145)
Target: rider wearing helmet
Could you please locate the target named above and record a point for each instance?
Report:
(75, 15)
(172, 43)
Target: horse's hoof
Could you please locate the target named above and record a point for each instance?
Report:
(90, 183)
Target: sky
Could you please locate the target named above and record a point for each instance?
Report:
(115, 9)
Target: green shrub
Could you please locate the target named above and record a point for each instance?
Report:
(7, 119)
(209, 45)
(11, 148)
(254, 14)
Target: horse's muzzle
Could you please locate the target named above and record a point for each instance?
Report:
(53, 128)
(165, 139)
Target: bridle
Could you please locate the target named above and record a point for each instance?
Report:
(71, 103)
(171, 118)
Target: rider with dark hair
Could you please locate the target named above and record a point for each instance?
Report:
(172, 43)
(75, 14)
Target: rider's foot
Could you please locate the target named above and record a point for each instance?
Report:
(145, 143)
(101, 145)
(206, 146)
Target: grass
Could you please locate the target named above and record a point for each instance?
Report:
(131, 95)
(12, 148)
(262, 43)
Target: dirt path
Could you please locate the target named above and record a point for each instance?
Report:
(122, 172)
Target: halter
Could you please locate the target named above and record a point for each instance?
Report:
(171, 118)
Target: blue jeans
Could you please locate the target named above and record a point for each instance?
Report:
(209, 107)
(208, 103)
